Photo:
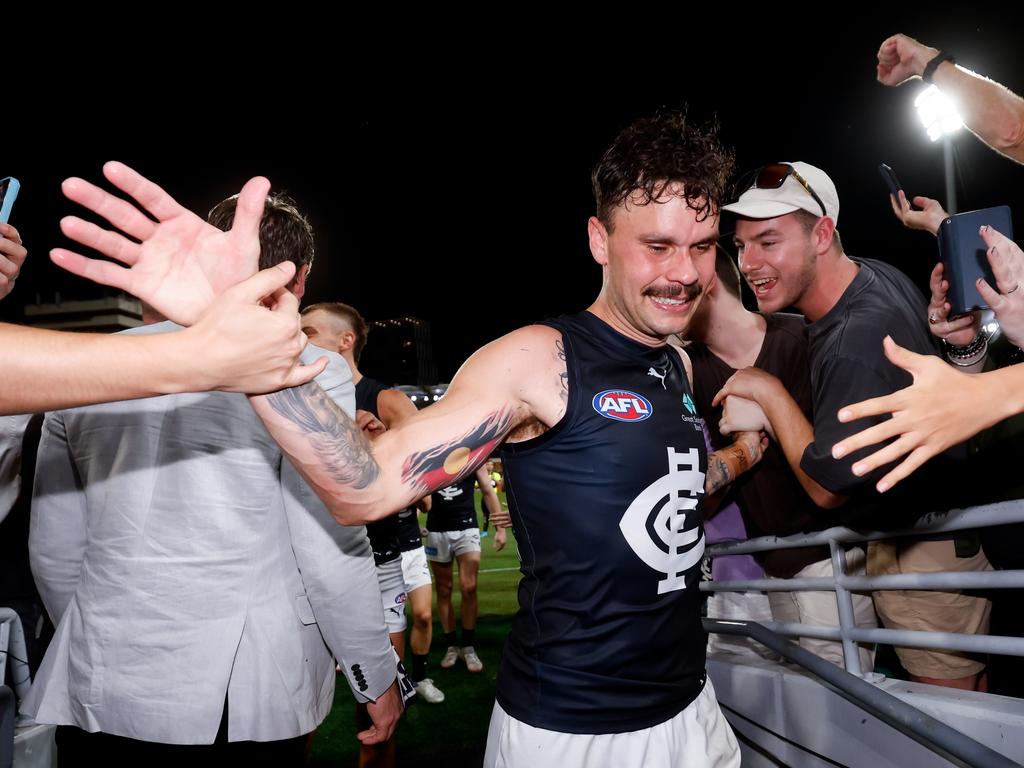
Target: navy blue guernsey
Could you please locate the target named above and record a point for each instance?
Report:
(607, 511)
(453, 508)
(409, 530)
(383, 534)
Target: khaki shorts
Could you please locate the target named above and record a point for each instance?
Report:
(930, 611)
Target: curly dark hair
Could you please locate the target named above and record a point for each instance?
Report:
(285, 234)
(656, 152)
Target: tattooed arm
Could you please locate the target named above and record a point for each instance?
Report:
(726, 465)
(792, 429)
(504, 385)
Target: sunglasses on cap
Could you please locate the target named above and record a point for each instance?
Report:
(773, 176)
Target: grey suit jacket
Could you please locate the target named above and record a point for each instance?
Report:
(183, 562)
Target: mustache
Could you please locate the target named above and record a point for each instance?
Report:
(674, 291)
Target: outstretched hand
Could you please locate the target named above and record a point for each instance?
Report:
(178, 263)
(941, 408)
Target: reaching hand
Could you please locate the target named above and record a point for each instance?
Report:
(941, 408)
(250, 340)
(750, 383)
(1007, 261)
(901, 58)
(960, 330)
(180, 263)
(931, 215)
(742, 415)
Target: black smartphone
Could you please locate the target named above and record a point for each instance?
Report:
(890, 180)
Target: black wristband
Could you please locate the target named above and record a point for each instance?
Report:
(931, 66)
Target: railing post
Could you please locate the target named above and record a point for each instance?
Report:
(844, 600)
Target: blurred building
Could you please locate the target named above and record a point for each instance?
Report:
(102, 315)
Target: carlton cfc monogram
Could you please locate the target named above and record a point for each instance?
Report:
(672, 497)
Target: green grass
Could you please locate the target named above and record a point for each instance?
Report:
(453, 733)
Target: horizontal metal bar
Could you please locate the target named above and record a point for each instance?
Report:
(945, 641)
(949, 521)
(923, 728)
(945, 580)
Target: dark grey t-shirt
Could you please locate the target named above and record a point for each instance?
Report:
(848, 364)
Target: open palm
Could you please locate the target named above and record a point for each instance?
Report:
(178, 263)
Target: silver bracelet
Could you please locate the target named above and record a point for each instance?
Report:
(967, 355)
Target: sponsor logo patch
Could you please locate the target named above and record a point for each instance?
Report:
(622, 405)
(688, 404)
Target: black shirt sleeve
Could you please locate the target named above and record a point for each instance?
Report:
(844, 381)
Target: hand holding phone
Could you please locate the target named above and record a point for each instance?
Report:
(963, 254)
(930, 215)
(889, 175)
(12, 252)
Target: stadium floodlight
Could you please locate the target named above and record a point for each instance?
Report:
(938, 113)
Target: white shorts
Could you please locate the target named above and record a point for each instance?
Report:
(444, 546)
(392, 594)
(415, 570)
(698, 737)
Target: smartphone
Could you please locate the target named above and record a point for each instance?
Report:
(963, 254)
(889, 175)
(8, 194)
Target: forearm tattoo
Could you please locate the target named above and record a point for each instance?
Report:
(342, 448)
(449, 462)
(741, 458)
(721, 471)
(718, 475)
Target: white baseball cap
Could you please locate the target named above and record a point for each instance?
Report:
(791, 195)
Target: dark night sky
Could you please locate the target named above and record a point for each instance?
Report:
(448, 177)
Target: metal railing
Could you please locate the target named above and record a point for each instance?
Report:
(848, 633)
(923, 728)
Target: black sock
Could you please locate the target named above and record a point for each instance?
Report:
(468, 636)
(419, 667)
(451, 638)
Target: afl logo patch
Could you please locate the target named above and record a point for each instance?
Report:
(622, 405)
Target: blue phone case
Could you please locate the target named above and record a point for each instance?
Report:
(962, 252)
(10, 188)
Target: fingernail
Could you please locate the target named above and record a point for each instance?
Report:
(984, 228)
(838, 452)
(859, 469)
(883, 486)
(844, 415)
